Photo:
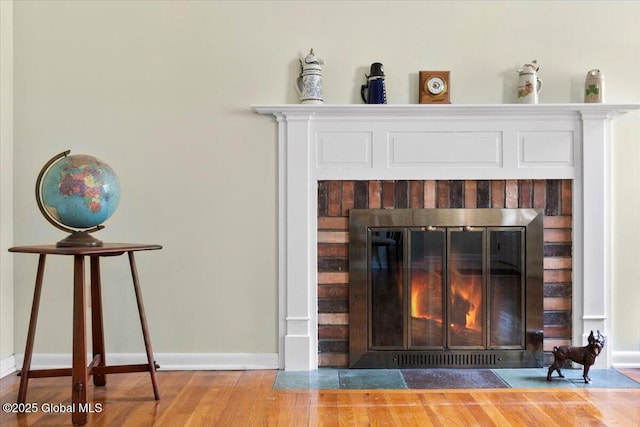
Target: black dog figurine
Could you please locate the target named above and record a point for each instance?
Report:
(585, 356)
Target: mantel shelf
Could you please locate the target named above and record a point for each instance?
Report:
(450, 110)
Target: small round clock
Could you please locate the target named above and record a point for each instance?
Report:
(434, 87)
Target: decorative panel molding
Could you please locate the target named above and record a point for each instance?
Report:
(344, 149)
(542, 148)
(445, 149)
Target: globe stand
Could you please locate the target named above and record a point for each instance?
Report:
(79, 239)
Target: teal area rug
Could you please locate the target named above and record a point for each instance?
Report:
(403, 379)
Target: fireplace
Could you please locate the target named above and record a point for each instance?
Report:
(445, 288)
(489, 145)
(336, 199)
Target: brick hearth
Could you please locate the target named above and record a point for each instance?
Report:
(336, 198)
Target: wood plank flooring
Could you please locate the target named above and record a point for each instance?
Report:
(246, 398)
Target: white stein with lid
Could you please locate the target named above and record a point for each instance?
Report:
(309, 82)
(529, 84)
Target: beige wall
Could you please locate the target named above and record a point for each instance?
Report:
(161, 91)
(6, 179)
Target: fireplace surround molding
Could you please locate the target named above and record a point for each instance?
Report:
(444, 142)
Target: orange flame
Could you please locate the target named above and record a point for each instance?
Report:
(468, 288)
(426, 295)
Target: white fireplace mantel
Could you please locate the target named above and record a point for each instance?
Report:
(372, 142)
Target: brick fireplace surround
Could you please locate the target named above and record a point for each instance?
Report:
(336, 198)
(336, 157)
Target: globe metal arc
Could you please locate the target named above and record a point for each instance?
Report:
(76, 194)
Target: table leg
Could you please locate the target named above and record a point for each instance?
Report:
(28, 352)
(97, 329)
(145, 329)
(79, 364)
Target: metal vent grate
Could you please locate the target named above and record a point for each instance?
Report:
(446, 359)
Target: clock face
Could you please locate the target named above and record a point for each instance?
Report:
(435, 85)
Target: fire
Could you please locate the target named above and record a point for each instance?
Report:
(426, 295)
(465, 297)
(466, 294)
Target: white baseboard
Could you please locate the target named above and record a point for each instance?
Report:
(211, 361)
(215, 361)
(167, 361)
(7, 366)
(625, 359)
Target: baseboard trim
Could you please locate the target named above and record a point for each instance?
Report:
(625, 359)
(7, 366)
(211, 361)
(216, 361)
(167, 361)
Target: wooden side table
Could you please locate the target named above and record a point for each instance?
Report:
(98, 368)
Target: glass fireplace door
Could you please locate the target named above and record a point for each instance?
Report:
(386, 263)
(445, 288)
(506, 288)
(458, 288)
(465, 302)
(427, 292)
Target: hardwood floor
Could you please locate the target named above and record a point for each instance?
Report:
(246, 398)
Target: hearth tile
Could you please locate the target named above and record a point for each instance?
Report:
(321, 379)
(537, 378)
(600, 378)
(358, 379)
(451, 378)
(530, 378)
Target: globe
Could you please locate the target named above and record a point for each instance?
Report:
(77, 193)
